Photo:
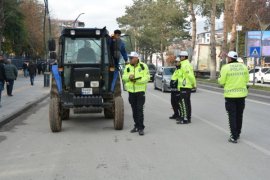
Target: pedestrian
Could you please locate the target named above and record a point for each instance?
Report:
(175, 93)
(25, 69)
(234, 77)
(32, 68)
(117, 48)
(39, 68)
(136, 76)
(11, 72)
(186, 81)
(2, 76)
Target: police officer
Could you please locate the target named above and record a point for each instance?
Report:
(234, 78)
(186, 81)
(136, 76)
(175, 95)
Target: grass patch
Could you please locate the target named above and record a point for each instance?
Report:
(215, 81)
(257, 87)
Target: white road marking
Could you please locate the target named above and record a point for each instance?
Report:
(250, 100)
(249, 143)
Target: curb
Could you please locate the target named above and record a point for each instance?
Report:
(9, 118)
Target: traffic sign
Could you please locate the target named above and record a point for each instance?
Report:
(255, 51)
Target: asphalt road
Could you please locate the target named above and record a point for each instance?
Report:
(89, 148)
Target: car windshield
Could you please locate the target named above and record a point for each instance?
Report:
(151, 66)
(265, 69)
(168, 71)
(82, 51)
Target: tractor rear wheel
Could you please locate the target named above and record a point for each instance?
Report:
(118, 113)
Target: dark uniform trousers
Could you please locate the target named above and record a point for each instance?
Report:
(137, 101)
(235, 108)
(175, 98)
(185, 104)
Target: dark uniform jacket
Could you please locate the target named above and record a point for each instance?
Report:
(2, 72)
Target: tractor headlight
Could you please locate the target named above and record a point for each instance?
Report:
(79, 84)
(97, 32)
(94, 83)
(72, 32)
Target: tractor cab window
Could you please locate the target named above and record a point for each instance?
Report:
(82, 51)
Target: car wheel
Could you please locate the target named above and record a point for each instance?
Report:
(262, 81)
(256, 80)
(155, 86)
(162, 87)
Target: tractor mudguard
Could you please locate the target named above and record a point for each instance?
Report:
(57, 78)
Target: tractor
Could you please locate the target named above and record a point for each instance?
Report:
(82, 77)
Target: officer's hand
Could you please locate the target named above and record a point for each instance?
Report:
(131, 77)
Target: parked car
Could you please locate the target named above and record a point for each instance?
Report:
(152, 71)
(266, 77)
(163, 77)
(259, 74)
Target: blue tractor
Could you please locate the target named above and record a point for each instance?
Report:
(82, 77)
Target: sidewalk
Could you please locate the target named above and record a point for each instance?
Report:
(24, 97)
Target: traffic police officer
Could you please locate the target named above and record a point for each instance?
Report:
(234, 78)
(175, 95)
(136, 76)
(186, 81)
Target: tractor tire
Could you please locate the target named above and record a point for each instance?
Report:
(108, 113)
(117, 90)
(55, 115)
(65, 114)
(155, 86)
(162, 87)
(118, 113)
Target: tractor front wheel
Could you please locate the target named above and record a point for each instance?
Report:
(118, 113)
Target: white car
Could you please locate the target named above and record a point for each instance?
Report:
(266, 77)
(259, 74)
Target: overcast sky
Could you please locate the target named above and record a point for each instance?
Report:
(98, 13)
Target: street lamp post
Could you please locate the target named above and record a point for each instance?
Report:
(74, 22)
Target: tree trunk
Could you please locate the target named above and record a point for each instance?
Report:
(233, 32)
(2, 23)
(213, 63)
(194, 29)
(225, 33)
(161, 53)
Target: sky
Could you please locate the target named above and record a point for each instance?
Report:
(97, 13)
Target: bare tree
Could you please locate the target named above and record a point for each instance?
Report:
(2, 23)
(213, 63)
(233, 31)
(193, 22)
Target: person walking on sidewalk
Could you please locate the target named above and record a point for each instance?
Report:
(2, 76)
(234, 77)
(32, 68)
(136, 76)
(11, 75)
(25, 69)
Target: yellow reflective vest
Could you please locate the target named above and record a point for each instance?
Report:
(234, 77)
(185, 75)
(141, 73)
